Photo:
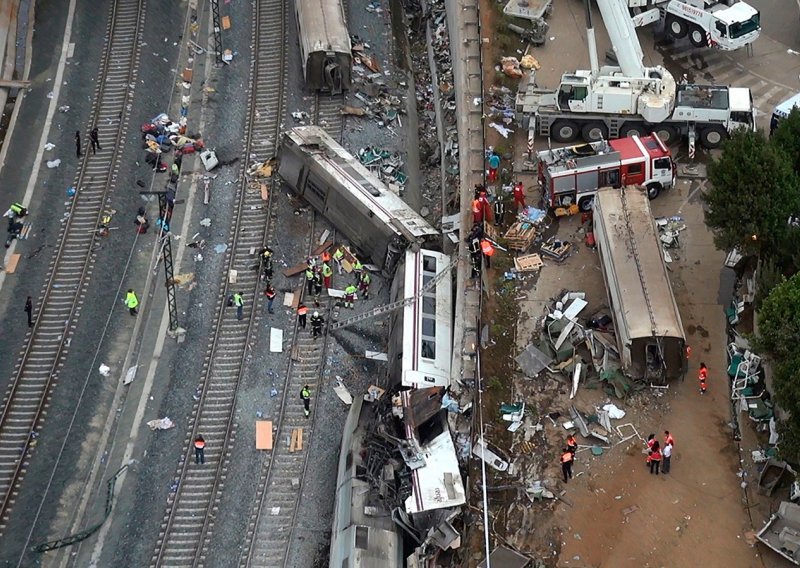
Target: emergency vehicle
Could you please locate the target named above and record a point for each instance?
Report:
(572, 175)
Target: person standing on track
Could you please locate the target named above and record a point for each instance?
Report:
(703, 376)
(338, 257)
(238, 301)
(302, 311)
(363, 285)
(349, 296)
(327, 273)
(305, 396)
(132, 301)
(316, 325)
(29, 311)
(310, 280)
(199, 450)
(270, 293)
(94, 138)
(78, 144)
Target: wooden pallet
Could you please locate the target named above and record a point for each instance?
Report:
(296, 440)
(528, 263)
(558, 250)
(519, 237)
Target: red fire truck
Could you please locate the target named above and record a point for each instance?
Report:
(572, 175)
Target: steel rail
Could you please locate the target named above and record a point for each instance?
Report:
(189, 520)
(36, 373)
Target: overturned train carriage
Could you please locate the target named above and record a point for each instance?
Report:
(648, 326)
(325, 46)
(356, 201)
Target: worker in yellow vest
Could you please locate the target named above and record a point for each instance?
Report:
(132, 301)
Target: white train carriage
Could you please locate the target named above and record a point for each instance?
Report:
(378, 222)
(325, 46)
(421, 341)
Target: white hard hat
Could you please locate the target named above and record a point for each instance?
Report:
(316, 314)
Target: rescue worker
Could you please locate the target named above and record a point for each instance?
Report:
(338, 257)
(132, 301)
(668, 439)
(305, 396)
(326, 257)
(16, 210)
(317, 287)
(327, 273)
(270, 293)
(477, 210)
(141, 222)
(519, 195)
(703, 376)
(485, 206)
(655, 458)
(14, 230)
(266, 263)
(302, 310)
(666, 454)
(488, 250)
(310, 280)
(29, 310)
(494, 164)
(363, 285)
(349, 296)
(572, 444)
(199, 450)
(317, 322)
(475, 256)
(566, 464)
(499, 211)
(238, 301)
(358, 268)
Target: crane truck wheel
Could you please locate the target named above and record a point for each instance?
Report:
(585, 204)
(564, 131)
(633, 129)
(712, 136)
(653, 190)
(667, 134)
(594, 131)
(698, 37)
(676, 27)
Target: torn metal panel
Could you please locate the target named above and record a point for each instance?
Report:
(479, 450)
(438, 484)
(420, 405)
(532, 361)
(507, 558)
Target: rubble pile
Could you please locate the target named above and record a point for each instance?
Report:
(433, 84)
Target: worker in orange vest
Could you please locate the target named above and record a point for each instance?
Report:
(703, 376)
(488, 250)
(566, 464)
(477, 210)
(302, 310)
(519, 195)
(668, 439)
(199, 450)
(572, 444)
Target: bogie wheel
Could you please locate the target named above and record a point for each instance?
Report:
(594, 131)
(564, 131)
(676, 27)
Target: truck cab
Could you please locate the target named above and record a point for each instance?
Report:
(724, 24)
(782, 111)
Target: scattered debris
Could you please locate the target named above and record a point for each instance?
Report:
(161, 424)
(105, 370)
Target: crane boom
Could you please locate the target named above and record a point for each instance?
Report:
(622, 34)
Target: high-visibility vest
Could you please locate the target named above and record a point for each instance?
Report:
(703, 374)
(571, 442)
(302, 310)
(338, 255)
(669, 440)
(327, 270)
(238, 300)
(350, 290)
(309, 274)
(566, 457)
(476, 206)
(17, 208)
(305, 394)
(326, 257)
(357, 266)
(655, 456)
(366, 278)
(199, 444)
(487, 248)
(131, 300)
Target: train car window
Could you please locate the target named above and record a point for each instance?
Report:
(428, 349)
(429, 305)
(316, 190)
(428, 327)
(429, 264)
(426, 278)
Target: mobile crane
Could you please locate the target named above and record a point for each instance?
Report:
(722, 24)
(631, 99)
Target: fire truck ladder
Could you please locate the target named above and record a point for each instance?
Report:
(386, 308)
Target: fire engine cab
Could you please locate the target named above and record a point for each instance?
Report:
(572, 175)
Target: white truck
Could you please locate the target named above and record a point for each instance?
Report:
(631, 99)
(722, 24)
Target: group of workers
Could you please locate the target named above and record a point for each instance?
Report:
(656, 453)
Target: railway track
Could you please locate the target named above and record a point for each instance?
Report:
(189, 519)
(26, 401)
(272, 521)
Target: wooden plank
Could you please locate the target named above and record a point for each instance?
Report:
(293, 440)
(263, 434)
(322, 248)
(13, 84)
(264, 192)
(296, 298)
(347, 266)
(295, 270)
(226, 22)
(11, 267)
(529, 262)
(299, 446)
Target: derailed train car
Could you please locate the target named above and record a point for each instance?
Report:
(325, 45)
(356, 201)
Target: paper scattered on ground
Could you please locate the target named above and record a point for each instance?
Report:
(161, 424)
(275, 340)
(205, 222)
(53, 163)
(49, 146)
(130, 375)
(614, 412)
(104, 369)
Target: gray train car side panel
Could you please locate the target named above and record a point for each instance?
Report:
(647, 322)
(355, 200)
(325, 46)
